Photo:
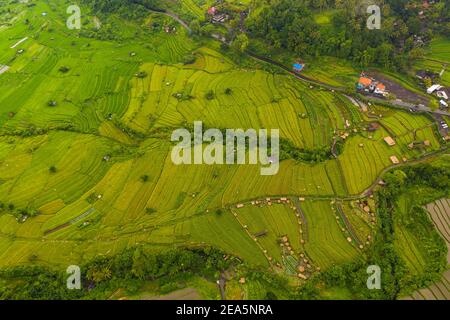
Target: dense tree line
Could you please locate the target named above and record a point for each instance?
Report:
(290, 24)
(129, 270)
(125, 8)
(314, 155)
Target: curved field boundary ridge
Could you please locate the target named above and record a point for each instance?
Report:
(73, 221)
(439, 213)
(19, 42)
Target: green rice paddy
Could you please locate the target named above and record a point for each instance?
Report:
(116, 106)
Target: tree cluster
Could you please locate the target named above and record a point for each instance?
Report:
(102, 275)
(290, 24)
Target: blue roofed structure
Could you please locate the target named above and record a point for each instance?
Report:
(298, 67)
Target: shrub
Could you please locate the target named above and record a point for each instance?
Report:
(141, 74)
(64, 69)
(92, 198)
(189, 59)
(209, 95)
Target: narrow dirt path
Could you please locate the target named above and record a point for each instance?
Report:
(177, 18)
(222, 283)
(305, 234)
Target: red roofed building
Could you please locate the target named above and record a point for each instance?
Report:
(371, 85)
(212, 11)
(364, 82)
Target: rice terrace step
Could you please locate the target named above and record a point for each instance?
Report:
(224, 150)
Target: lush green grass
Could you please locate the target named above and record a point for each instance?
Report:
(440, 49)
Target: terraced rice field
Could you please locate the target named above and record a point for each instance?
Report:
(193, 7)
(268, 226)
(439, 213)
(437, 291)
(96, 163)
(436, 59)
(331, 70)
(333, 246)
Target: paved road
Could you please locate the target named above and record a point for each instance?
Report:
(397, 103)
(407, 106)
